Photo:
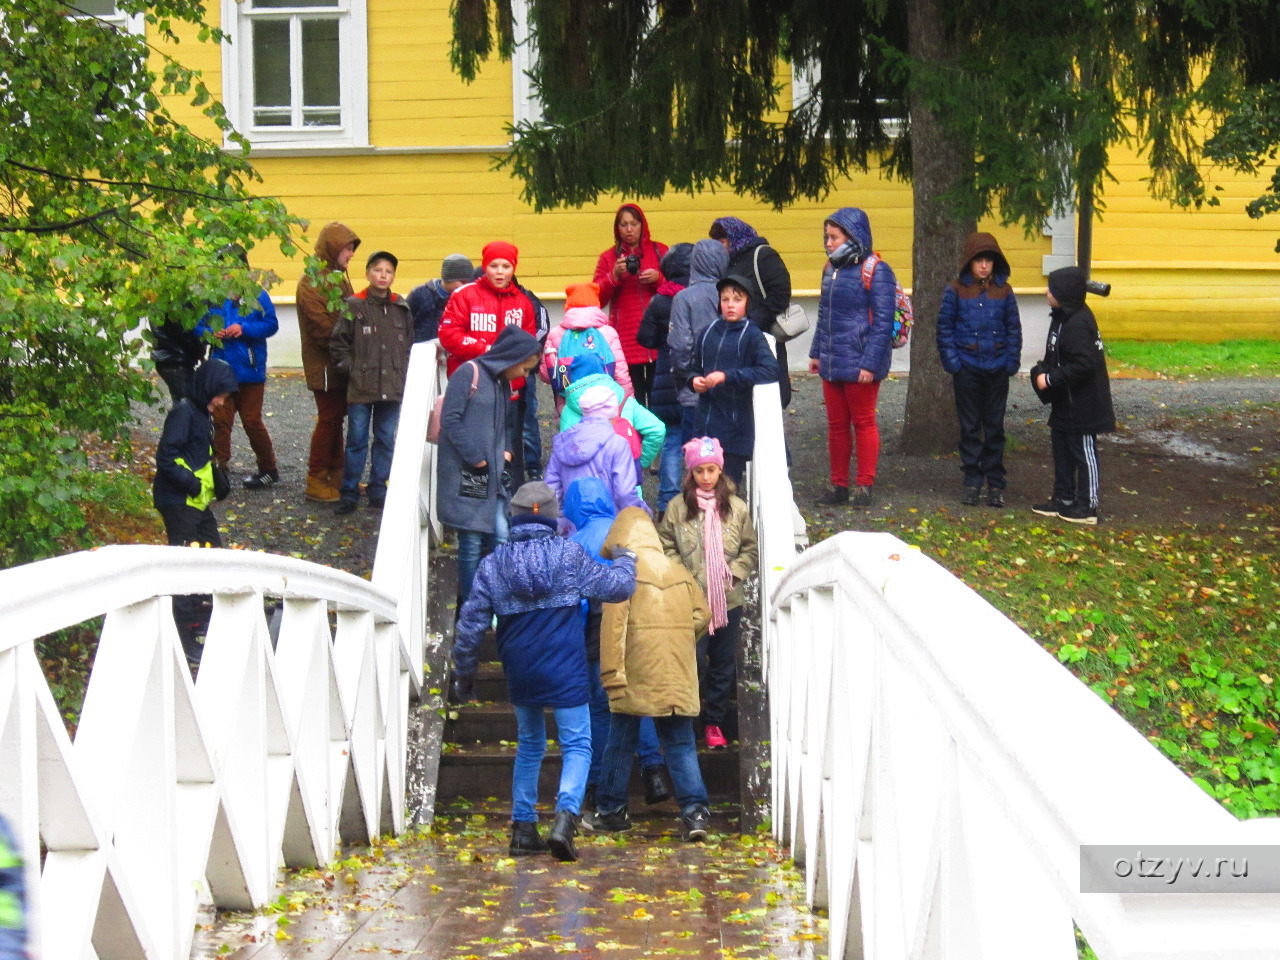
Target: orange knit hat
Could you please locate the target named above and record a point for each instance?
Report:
(582, 295)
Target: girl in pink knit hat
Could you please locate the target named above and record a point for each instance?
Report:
(708, 529)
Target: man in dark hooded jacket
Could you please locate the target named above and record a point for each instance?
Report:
(535, 585)
(1072, 377)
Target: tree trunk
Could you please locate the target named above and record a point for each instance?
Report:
(939, 163)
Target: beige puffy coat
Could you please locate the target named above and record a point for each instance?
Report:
(682, 540)
(648, 661)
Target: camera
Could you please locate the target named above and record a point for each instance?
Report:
(633, 263)
(1097, 288)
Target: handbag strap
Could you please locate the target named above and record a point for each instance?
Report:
(755, 265)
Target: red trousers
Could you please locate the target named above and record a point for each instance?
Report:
(248, 402)
(327, 447)
(850, 403)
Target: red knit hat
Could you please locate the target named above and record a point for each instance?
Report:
(582, 295)
(499, 250)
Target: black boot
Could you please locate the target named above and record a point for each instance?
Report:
(834, 497)
(655, 785)
(525, 840)
(560, 840)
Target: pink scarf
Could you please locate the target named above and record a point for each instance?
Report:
(718, 576)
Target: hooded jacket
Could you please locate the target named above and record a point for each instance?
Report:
(587, 318)
(593, 449)
(315, 319)
(978, 323)
(174, 342)
(477, 313)
(588, 506)
(681, 536)
(587, 371)
(655, 325)
(426, 304)
(184, 455)
(727, 412)
(855, 326)
(535, 583)
(694, 309)
(246, 353)
(1075, 361)
(627, 298)
(648, 643)
(473, 428)
(371, 346)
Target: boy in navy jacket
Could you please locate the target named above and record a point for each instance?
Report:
(183, 487)
(535, 584)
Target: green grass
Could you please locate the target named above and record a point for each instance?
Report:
(1183, 359)
(1179, 631)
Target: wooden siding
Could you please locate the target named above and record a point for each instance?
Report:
(1210, 273)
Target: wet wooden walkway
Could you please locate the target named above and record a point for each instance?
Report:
(454, 894)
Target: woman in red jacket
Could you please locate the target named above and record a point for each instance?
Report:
(628, 274)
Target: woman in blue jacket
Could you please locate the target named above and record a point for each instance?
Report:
(852, 347)
(980, 343)
(242, 342)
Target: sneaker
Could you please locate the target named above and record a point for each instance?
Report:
(260, 481)
(345, 506)
(715, 737)
(560, 839)
(377, 503)
(996, 499)
(862, 498)
(695, 824)
(834, 497)
(525, 840)
(1079, 513)
(532, 472)
(655, 785)
(619, 821)
(971, 496)
(1052, 507)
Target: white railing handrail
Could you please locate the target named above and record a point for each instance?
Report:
(292, 738)
(912, 722)
(35, 599)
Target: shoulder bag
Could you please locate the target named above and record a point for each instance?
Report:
(791, 322)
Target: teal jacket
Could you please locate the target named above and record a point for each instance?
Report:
(652, 430)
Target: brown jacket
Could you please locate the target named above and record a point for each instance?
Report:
(648, 644)
(371, 347)
(315, 319)
(682, 540)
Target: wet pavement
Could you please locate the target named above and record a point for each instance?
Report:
(451, 892)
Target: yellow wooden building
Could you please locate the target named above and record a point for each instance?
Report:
(355, 115)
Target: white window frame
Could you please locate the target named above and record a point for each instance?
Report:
(525, 104)
(237, 76)
(132, 23)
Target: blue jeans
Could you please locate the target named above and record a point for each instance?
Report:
(671, 471)
(679, 747)
(574, 733)
(647, 750)
(474, 546)
(385, 415)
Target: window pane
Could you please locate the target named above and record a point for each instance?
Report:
(95, 8)
(271, 87)
(321, 72)
(276, 4)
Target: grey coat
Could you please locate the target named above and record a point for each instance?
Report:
(473, 427)
(694, 309)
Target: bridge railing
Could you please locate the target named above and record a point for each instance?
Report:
(937, 772)
(174, 792)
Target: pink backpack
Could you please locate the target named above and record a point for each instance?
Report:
(623, 428)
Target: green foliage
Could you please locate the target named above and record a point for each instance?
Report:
(642, 95)
(1178, 631)
(1187, 360)
(111, 214)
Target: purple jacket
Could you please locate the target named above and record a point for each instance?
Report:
(593, 449)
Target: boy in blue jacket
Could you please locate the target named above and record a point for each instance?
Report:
(183, 487)
(535, 584)
(729, 359)
(242, 342)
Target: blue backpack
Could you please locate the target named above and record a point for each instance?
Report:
(575, 343)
